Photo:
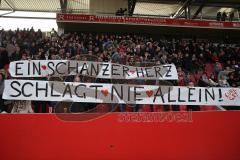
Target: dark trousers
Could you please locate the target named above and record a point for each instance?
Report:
(2, 106)
(40, 107)
(175, 108)
(193, 108)
(168, 108)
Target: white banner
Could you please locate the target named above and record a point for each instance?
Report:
(44, 68)
(118, 93)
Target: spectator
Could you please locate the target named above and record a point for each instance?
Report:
(224, 16)
(219, 15)
(2, 106)
(22, 107)
(3, 57)
(204, 81)
(217, 68)
(223, 81)
(231, 16)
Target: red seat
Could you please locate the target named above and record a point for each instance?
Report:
(158, 108)
(208, 108)
(145, 108)
(129, 108)
(183, 107)
(102, 108)
(209, 69)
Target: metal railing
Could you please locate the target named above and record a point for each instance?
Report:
(98, 12)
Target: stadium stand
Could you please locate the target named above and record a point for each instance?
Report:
(199, 62)
(199, 37)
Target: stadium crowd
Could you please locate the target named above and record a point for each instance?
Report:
(199, 62)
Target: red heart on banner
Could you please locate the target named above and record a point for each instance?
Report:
(132, 72)
(104, 92)
(44, 67)
(149, 93)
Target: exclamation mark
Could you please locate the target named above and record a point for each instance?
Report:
(220, 95)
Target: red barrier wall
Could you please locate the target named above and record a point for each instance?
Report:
(210, 136)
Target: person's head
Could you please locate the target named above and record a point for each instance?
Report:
(179, 69)
(212, 76)
(222, 77)
(17, 49)
(228, 62)
(24, 56)
(193, 56)
(77, 57)
(105, 53)
(68, 55)
(175, 55)
(204, 75)
(90, 52)
(53, 57)
(234, 85)
(158, 62)
(61, 51)
(227, 68)
(40, 50)
(191, 84)
(131, 59)
(100, 59)
(77, 78)
(231, 76)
